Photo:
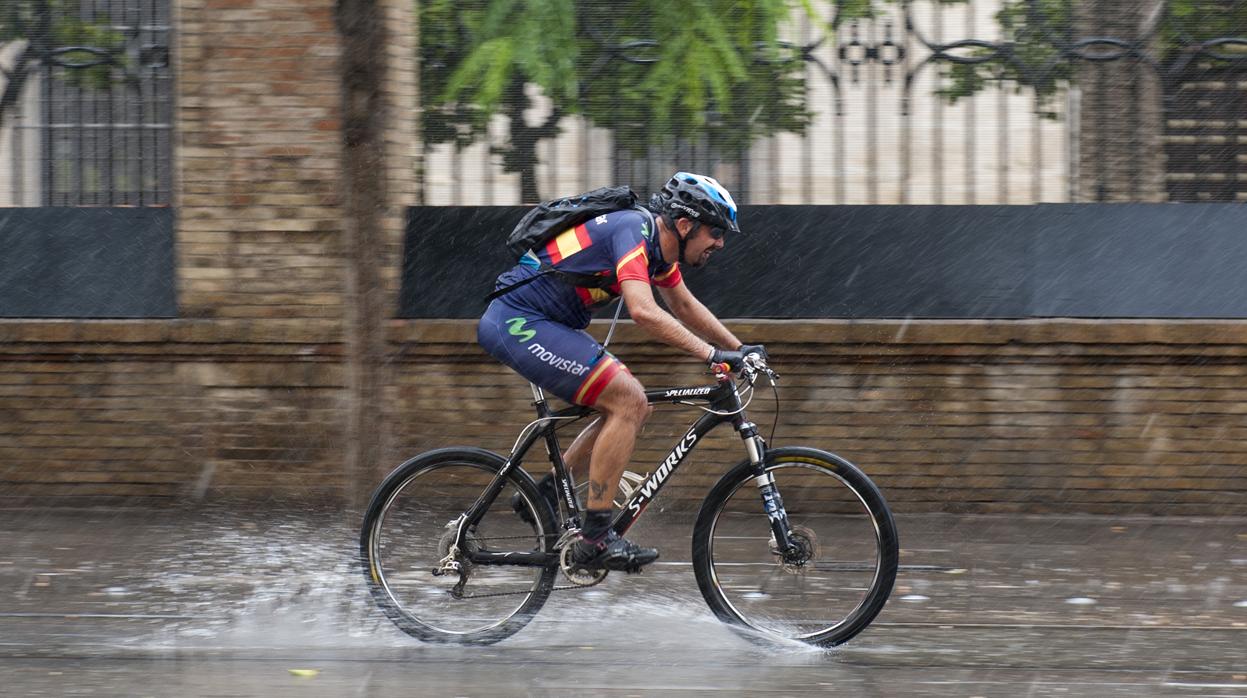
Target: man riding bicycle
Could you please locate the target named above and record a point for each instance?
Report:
(537, 329)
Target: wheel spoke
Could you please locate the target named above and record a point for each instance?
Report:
(411, 531)
(830, 584)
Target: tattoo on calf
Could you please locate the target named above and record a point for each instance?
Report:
(598, 489)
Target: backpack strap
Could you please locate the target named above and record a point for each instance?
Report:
(523, 282)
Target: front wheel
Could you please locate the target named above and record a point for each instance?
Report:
(847, 542)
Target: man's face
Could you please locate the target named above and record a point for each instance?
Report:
(703, 241)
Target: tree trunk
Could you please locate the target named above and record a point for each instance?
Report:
(16, 83)
(530, 194)
(521, 157)
(361, 25)
(1121, 153)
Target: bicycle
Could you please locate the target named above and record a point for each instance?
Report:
(448, 559)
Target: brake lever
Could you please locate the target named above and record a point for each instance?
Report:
(756, 363)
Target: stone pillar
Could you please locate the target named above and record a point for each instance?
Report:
(296, 132)
(258, 159)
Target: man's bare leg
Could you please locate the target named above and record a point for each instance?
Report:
(576, 457)
(624, 410)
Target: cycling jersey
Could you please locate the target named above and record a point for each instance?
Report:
(538, 329)
(622, 242)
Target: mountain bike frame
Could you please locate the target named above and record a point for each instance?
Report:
(723, 398)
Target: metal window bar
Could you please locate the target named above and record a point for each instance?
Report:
(899, 142)
(101, 133)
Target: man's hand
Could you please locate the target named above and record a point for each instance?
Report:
(747, 349)
(734, 359)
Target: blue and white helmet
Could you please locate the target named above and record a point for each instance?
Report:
(699, 198)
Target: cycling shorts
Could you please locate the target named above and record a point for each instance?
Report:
(566, 362)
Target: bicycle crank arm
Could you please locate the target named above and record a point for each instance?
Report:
(517, 559)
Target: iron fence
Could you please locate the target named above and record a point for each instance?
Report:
(89, 104)
(1109, 100)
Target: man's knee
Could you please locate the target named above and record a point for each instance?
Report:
(625, 399)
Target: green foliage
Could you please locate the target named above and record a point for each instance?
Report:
(47, 25)
(1036, 61)
(702, 68)
(1040, 65)
(1202, 20)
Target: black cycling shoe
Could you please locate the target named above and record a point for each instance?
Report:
(612, 553)
(545, 486)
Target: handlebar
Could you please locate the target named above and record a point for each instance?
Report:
(754, 365)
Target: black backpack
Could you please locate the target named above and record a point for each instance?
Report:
(548, 219)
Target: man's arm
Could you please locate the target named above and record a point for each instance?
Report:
(685, 306)
(646, 312)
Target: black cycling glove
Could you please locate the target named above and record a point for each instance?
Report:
(734, 359)
(747, 349)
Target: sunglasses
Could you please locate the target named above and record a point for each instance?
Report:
(716, 233)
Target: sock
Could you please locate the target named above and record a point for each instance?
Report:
(597, 524)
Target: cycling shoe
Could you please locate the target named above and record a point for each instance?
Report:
(612, 553)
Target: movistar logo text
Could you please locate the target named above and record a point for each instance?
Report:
(545, 355)
(516, 329)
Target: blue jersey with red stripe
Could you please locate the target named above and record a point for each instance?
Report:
(623, 242)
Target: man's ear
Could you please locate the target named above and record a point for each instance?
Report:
(686, 230)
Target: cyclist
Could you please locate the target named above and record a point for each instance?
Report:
(538, 330)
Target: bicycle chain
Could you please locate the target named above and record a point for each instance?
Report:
(516, 593)
(544, 535)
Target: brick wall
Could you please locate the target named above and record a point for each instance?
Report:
(401, 94)
(252, 393)
(258, 158)
(1100, 417)
(147, 411)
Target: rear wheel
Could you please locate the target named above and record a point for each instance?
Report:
(409, 531)
(837, 577)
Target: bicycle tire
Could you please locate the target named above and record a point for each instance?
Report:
(740, 480)
(373, 537)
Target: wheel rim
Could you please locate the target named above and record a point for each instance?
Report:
(808, 601)
(404, 543)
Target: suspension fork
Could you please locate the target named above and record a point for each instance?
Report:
(772, 503)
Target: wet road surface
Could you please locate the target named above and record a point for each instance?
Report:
(221, 602)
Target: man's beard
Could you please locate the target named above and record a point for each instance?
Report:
(698, 262)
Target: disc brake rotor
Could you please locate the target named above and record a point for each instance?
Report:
(807, 542)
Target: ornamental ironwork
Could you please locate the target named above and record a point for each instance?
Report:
(87, 99)
(1012, 101)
